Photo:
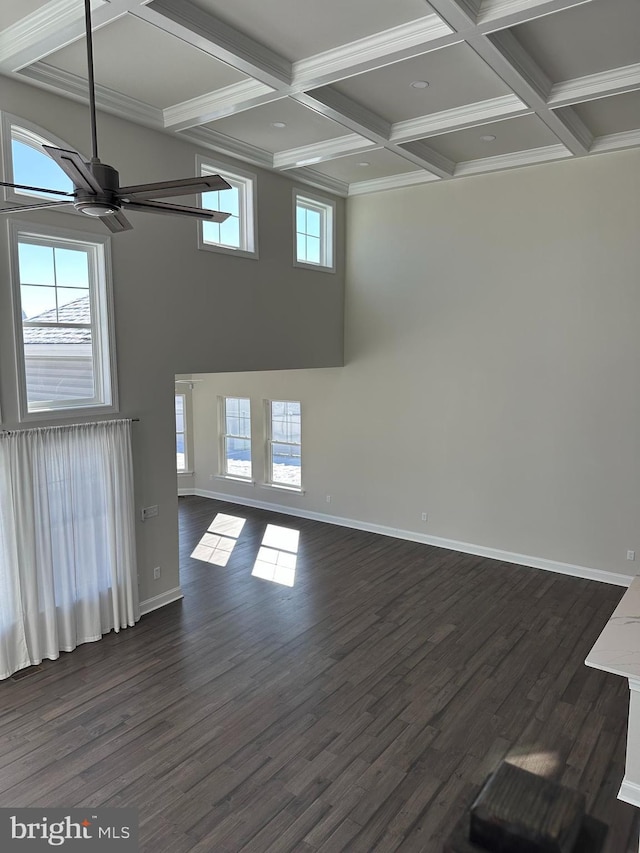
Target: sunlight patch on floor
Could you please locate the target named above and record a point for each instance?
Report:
(539, 762)
(218, 542)
(277, 557)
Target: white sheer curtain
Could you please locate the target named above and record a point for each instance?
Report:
(67, 548)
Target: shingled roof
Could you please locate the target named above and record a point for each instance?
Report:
(78, 311)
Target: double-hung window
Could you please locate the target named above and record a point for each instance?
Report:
(315, 232)
(235, 437)
(63, 319)
(284, 444)
(237, 235)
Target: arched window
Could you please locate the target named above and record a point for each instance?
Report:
(25, 161)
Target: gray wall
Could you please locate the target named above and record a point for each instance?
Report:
(492, 365)
(180, 310)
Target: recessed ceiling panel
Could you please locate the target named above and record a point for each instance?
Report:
(143, 62)
(584, 39)
(298, 28)
(366, 166)
(14, 10)
(455, 76)
(261, 126)
(611, 115)
(510, 135)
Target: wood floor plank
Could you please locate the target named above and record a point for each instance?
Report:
(359, 710)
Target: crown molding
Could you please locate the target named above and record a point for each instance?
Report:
(457, 118)
(615, 142)
(220, 40)
(392, 182)
(222, 102)
(215, 141)
(319, 181)
(515, 160)
(499, 14)
(612, 82)
(106, 99)
(318, 152)
(379, 49)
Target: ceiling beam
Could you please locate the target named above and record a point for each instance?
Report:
(500, 14)
(220, 40)
(217, 104)
(613, 82)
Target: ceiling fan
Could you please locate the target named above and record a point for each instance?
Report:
(96, 189)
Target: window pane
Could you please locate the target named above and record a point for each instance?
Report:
(301, 244)
(59, 365)
(229, 201)
(72, 268)
(211, 231)
(313, 223)
(36, 264)
(313, 250)
(180, 455)
(179, 421)
(286, 465)
(301, 219)
(38, 301)
(238, 457)
(73, 305)
(230, 232)
(33, 167)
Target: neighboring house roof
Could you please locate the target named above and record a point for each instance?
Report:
(78, 311)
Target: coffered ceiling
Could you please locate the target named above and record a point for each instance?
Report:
(351, 96)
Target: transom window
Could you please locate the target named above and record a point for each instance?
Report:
(235, 450)
(237, 234)
(314, 244)
(25, 161)
(63, 322)
(284, 443)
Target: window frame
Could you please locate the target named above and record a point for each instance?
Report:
(186, 469)
(34, 135)
(327, 209)
(269, 442)
(102, 319)
(247, 183)
(223, 435)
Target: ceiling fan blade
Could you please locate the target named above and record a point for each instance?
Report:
(34, 189)
(24, 207)
(183, 186)
(75, 168)
(117, 222)
(179, 209)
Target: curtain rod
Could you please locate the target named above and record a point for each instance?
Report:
(61, 426)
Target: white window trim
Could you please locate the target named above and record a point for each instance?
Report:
(222, 435)
(328, 233)
(104, 303)
(268, 460)
(34, 133)
(248, 207)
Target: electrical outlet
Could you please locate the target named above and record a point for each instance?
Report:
(149, 512)
(328, 499)
(156, 573)
(631, 555)
(424, 516)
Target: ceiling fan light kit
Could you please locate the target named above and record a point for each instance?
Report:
(96, 185)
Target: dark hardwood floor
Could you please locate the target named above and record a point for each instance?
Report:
(358, 710)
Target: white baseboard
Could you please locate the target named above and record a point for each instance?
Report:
(629, 792)
(187, 491)
(616, 578)
(150, 604)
